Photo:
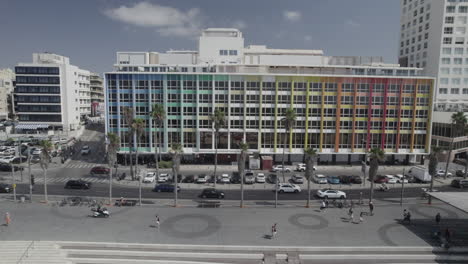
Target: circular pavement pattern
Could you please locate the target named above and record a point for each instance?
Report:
(192, 223)
(308, 221)
(420, 210)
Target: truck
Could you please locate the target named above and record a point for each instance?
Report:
(420, 173)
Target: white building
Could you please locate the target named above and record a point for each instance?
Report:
(48, 93)
(7, 77)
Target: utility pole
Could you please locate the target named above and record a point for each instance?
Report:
(402, 188)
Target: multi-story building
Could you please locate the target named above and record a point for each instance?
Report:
(97, 94)
(7, 77)
(344, 105)
(47, 93)
(434, 36)
(85, 93)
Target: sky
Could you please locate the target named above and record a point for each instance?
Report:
(90, 32)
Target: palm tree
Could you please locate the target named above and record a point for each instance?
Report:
(176, 153)
(218, 121)
(433, 163)
(113, 148)
(129, 117)
(310, 159)
(46, 146)
(289, 121)
(138, 126)
(376, 155)
(158, 114)
(241, 167)
(459, 122)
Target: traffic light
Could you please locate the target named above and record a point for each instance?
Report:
(32, 179)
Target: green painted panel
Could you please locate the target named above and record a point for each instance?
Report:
(205, 77)
(221, 77)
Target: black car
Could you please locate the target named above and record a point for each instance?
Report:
(272, 178)
(235, 178)
(460, 173)
(19, 160)
(77, 184)
(348, 179)
(7, 167)
(189, 179)
(5, 188)
(212, 193)
(179, 178)
(459, 183)
(165, 188)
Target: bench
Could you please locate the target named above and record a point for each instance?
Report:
(209, 204)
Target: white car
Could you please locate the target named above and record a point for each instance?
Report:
(297, 179)
(36, 151)
(202, 179)
(303, 167)
(163, 177)
(85, 150)
(260, 177)
(277, 168)
(391, 179)
(288, 188)
(329, 193)
(441, 173)
(320, 179)
(150, 177)
(225, 178)
(7, 159)
(400, 178)
(249, 177)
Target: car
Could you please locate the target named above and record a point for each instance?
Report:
(7, 159)
(189, 179)
(18, 160)
(460, 173)
(249, 177)
(235, 178)
(8, 167)
(380, 179)
(272, 178)
(85, 150)
(77, 184)
(278, 168)
(297, 179)
(165, 188)
(163, 177)
(348, 179)
(212, 193)
(260, 178)
(441, 173)
(320, 179)
(99, 170)
(288, 188)
(36, 151)
(460, 161)
(302, 167)
(391, 179)
(150, 177)
(225, 178)
(5, 188)
(458, 183)
(202, 178)
(35, 159)
(333, 180)
(400, 178)
(330, 193)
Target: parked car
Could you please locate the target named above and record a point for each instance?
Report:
(163, 177)
(320, 179)
(400, 178)
(77, 184)
(5, 188)
(85, 150)
(297, 179)
(460, 161)
(235, 178)
(35, 159)
(212, 193)
(99, 170)
(165, 188)
(249, 177)
(278, 168)
(260, 177)
(329, 193)
(7, 159)
(272, 178)
(460, 173)
(18, 160)
(459, 183)
(441, 173)
(189, 179)
(288, 188)
(225, 178)
(150, 177)
(7, 167)
(391, 179)
(36, 151)
(380, 179)
(333, 180)
(345, 179)
(202, 178)
(302, 167)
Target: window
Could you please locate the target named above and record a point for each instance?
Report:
(460, 30)
(448, 30)
(465, 90)
(456, 81)
(445, 60)
(445, 70)
(455, 91)
(444, 80)
(449, 20)
(447, 40)
(463, 9)
(461, 20)
(458, 61)
(458, 51)
(223, 52)
(457, 71)
(232, 52)
(459, 40)
(442, 90)
(446, 51)
(450, 9)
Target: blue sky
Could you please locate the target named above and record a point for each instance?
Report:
(89, 32)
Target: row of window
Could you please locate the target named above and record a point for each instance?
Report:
(37, 99)
(454, 81)
(38, 108)
(37, 70)
(40, 118)
(37, 89)
(37, 79)
(453, 90)
(228, 52)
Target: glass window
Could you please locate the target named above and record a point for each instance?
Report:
(456, 81)
(442, 90)
(455, 91)
(460, 30)
(445, 60)
(444, 80)
(445, 70)
(461, 20)
(463, 9)
(458, 61)
(457, 71)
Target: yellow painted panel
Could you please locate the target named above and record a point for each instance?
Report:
(361, 118)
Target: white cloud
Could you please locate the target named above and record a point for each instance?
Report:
(307, 38)
(292, 16)
(352, 23)
(239, 24)
(167, 20)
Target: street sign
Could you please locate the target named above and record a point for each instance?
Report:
(14, 185)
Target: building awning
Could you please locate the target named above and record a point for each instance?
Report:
(31, 126)
(456, 199)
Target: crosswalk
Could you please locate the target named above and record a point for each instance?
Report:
(65, 179)
(82, 165)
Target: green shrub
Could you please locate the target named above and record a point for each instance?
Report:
(165, 164)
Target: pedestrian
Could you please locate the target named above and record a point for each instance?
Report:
(371, 208)
(437, 218)
(326, 202)
(350, 213)
(361, 217)
(322, 206)
(7, 219)
(157, 222)
(274, 230)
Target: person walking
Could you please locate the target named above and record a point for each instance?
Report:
(273, 231)
(7, 219)
(437, 218)
(371, 208)
(350, 213)
(361, 217)
(322, 206)
(157, 222)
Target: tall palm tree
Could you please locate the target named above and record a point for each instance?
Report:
(218, 121)
(459, 122)
(176, 153)
(138, 126)
(289, 121)
(241, 167)
(158, 114)
(129, 117)
(112, 149)
(310, 160)
(376, 155)
(433, 163)
(45, 157)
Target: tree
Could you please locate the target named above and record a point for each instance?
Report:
(138, 126)
(112, 149)
(241, 167)
(289, 121)
(176, 153)
(129, 117)
(218, 121)
(459, 122)
(376, 155)
(433, 164)
(45, 158)
(310, 159)
(158, 114)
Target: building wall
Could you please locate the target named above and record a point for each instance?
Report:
(344, 115)
(7, 78)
